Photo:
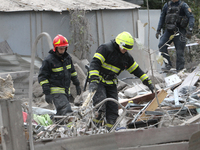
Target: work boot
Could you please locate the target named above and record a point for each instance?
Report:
(166, 68)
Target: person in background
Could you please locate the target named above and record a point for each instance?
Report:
(55, 75)
(175, 17)
(107, 63)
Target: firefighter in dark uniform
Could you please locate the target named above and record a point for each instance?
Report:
(55, 75)
(108, 62)
(175, 16)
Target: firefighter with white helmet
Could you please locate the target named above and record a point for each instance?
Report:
(108, 62)
(55, 75)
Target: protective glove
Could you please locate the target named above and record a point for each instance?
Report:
(49, 99)
(148, 83)
(78, 90)
(93, 86)
(189, 34)
(157, 34)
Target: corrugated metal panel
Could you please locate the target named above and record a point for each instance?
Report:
(63, 5)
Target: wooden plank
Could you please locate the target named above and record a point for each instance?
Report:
(5, 126)
(139, 99)
(153, 105)
(191, 79)
(168, 146)
(16, 124)
(153, 136)
(192, 120)
(93, 142)
(12, 130)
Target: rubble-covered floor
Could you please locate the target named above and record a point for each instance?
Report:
(176, 103)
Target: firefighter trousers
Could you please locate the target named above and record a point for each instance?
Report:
(109, 108)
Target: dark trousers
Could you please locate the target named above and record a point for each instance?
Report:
(179, 43)
(110, 108)
(61, 103)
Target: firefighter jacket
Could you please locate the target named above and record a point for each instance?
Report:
(108, 62)
(56, 73)
(184, 11)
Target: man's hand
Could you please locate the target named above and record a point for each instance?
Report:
(78, 90)
(157, 34)
(49, 99)
(189, 34)
(148, 83)
(93, 86)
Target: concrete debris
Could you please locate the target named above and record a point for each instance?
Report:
(6, 88)
(138, 107)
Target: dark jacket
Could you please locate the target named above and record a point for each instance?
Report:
(56, 74)
(108, 62)
(184, 11)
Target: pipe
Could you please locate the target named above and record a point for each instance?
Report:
(49, 40)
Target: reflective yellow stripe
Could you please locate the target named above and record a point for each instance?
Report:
(68, 66)
(143, 77)
(110, 67)
(93, 72)
(100, 57)
(114, 81)
(57, 69)
(132, 68)
(108, 125)
(97, 121)
(57, 90)
(97, 81)
(150, 82)
(61, 68)
(69, 124)
(43, 82)
(74, 74)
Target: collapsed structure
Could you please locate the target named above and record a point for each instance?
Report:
(164, 120)
(175, 106)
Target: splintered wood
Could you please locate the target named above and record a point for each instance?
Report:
(153, 105)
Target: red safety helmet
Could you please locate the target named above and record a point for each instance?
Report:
(60, 41)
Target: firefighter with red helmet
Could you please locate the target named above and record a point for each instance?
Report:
(108, 62)
(55, 75)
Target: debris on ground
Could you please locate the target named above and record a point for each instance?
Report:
(176, 103)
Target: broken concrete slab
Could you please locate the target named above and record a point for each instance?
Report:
(6, 87)
(191, 79)
(132, 92)
(37, 90)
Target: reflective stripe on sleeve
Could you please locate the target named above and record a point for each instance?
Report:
(132, 68)
(74, 74)
(143, 77)
(43, 82)
(93, 73)
(69, 66)
(100, 57)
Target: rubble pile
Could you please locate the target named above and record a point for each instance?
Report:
(175, 103)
